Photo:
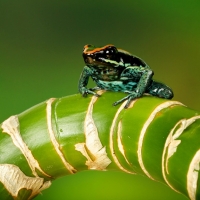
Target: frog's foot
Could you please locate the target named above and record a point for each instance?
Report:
(85, 92)
(129, 98)
(95, 88)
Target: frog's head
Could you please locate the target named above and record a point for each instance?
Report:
(104, 56)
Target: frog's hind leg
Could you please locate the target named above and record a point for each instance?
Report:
(160, 90)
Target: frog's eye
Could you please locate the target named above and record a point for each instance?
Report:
(110, 53)
(111, 50)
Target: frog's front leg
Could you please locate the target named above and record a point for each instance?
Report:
(83, 81)
(141, 75)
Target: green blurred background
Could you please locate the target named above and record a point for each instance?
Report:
(41, 44)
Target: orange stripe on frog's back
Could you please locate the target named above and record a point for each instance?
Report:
(96, 49)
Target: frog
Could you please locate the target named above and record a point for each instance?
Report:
(115, 69)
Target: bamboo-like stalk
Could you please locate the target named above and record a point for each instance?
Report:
(154, 137)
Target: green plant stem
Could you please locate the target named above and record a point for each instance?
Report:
(154, 137)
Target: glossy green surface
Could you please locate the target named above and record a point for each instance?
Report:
(34, 131)
(106, 101)
(137, 119)
(189, 142)
(156, 136)
(68, 115)
(10, 154)
(69, 124)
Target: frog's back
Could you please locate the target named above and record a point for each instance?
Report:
(131, 60)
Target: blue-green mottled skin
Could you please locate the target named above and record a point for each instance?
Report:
(117, 70)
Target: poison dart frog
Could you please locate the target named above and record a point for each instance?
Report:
(117, 70)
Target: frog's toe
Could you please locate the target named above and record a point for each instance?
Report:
(95, 88)
(84, 95)
(128, 103)
(94, 93)
(129, 98)
(97, 95)
(86, 91)
(115, 103)
(120, 101)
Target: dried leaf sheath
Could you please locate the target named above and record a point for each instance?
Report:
(155, 137)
